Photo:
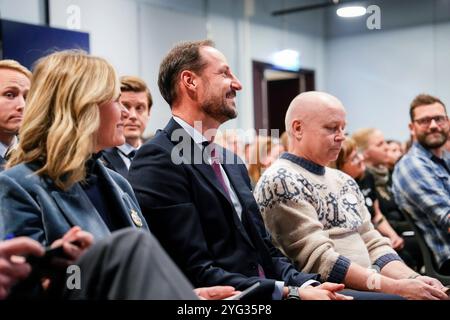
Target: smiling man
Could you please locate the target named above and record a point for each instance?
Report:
(14, 87)
(421, 177)
(202, 209)
(136, 98)
(317, 215)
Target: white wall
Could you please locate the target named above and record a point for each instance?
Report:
(112, 27)
(376, 75)
(28, 11)
(156, 37)
(135, 34)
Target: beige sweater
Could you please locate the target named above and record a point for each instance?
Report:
(317, 217)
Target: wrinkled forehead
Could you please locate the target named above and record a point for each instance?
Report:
(10, 77)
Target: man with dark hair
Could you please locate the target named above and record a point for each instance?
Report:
(196, 196)
(421, 177)
(136, 98)
(423, 100)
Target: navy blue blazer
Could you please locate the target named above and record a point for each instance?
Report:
(196, 223)
(34, 206)
(112, 160)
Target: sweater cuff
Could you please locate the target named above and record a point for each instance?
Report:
(385, 259)
(339, 270)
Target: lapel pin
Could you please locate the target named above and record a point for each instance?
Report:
(136, 219)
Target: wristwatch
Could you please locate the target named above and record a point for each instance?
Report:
(293, 293)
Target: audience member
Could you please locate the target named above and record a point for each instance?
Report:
(14, 87)
(54, 180)
(317, 215)
(352, 163)
(136, 98)
(394, 153)
(421, 177)
(200, 207)
(263, 152)
(55, 186)
(374, 148)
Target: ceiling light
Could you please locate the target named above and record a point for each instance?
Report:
(350, 12)
(287, 59)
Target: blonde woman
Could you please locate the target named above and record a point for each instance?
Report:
(55, 190)
(352, 163)
(53, 180)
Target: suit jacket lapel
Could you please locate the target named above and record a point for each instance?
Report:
(130, 212)
(79, 211)
(191, 153)
(112, 156)
(205, 169)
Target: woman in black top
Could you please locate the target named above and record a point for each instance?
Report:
(351, 162)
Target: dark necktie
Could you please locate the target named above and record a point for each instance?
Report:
(215, 164)
(8, 152)
(131, 155)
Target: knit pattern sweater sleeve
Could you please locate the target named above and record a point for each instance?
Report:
(319, 221)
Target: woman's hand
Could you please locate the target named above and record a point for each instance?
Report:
(75, 242)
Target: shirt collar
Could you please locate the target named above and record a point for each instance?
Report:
(304, 163)
(196, 135)
(418, 148)
(4, 147)
(126, 148)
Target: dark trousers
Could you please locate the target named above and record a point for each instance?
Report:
(445, 268)
(365, 295)
(129, 264)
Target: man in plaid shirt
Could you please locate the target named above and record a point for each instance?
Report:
(421, 179)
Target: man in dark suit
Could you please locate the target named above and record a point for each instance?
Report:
(136, 98)
(200, 209)
(14, 87)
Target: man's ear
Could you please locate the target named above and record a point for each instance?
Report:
(297, 129)
(189, 79)
(411, 129)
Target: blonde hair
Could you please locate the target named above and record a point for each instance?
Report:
(62, 116)
(362, 137)
(16, 66)
(260, 147)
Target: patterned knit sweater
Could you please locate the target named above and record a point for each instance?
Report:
(317, 217)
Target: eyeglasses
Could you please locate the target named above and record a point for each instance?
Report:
(426, 121)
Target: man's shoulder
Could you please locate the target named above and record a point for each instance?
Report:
(281, 180)
(412, 160)
(160, 145)
(279, 166)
